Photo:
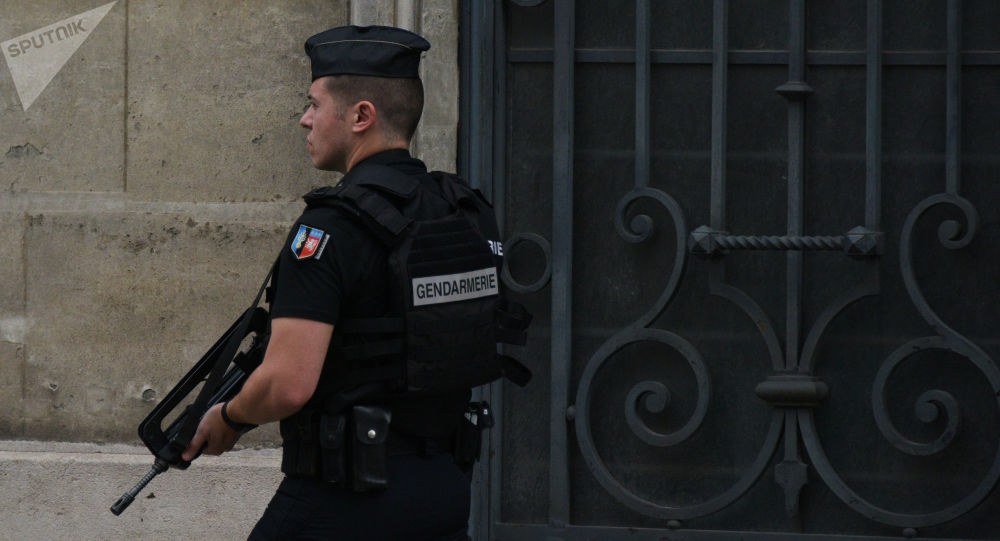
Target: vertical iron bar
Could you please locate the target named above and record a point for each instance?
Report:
(466, 95)
(873, 136)
(562, 258)
(796, 40)
(499, 27)
(476, 134)
(500, 136)
(480, 102)
(642, 89)
(873, 118)
(796, 159)
(471, 91)
(720, 59)
(953, 75)
(791, 472)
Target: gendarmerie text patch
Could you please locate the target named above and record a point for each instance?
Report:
(455, 287)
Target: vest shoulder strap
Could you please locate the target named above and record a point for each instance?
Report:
(375, 197)
(457, 191)
(371, 198)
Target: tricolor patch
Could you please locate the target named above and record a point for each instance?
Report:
(309, 242)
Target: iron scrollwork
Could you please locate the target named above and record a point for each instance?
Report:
(654, 396)
(790, 390)
(546, 275)
(930, 404)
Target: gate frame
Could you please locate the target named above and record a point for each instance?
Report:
(482, 158)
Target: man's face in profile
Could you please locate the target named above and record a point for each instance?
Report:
(328, 140)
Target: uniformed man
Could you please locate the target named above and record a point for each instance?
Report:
(363, 107)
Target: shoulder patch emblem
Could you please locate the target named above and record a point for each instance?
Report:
(309, 242)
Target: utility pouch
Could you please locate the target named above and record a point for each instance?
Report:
(368, 441)
(469, 436)
(331, 440)
(468, 444)
(299, 451)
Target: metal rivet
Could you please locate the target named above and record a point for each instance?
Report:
(371, 434)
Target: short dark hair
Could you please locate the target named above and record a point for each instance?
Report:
(399, 101)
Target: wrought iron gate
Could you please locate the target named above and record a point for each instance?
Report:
(760, 242)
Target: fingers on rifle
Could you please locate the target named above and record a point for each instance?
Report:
(196, 443)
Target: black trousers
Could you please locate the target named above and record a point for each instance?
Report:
(427, 500)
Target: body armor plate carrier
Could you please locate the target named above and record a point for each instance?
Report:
(447, 309)
(446, 314)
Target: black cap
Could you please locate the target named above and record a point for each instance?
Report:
(378, 51)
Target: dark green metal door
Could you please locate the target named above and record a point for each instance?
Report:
(760, 240)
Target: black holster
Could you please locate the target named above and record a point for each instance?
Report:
(331, 439)
(349, 447)
(468, 445)
(300, 450)
(368, 447)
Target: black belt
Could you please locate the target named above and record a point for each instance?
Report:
(405, 444)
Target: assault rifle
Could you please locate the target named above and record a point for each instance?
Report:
(220, 373)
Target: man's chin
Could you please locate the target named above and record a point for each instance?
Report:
(325, 166)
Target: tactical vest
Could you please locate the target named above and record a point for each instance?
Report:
(447, 310)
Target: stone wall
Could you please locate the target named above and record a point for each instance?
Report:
(143, 195)
(146, 190)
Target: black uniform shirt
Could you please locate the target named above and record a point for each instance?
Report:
(331, 268)
(331, 265)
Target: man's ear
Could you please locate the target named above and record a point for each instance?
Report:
(363, 116)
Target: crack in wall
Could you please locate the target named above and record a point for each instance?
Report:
(26, 150)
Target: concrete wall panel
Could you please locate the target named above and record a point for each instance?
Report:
(368, 12)
(71, 137)
(12, 226)
(215, 93)
(135, 300)
(146, 190)
(11, 385)
(63, 491)
(435, 142)
(12, 322)
(143, 196)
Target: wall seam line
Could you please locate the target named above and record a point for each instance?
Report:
(125, 107)
(24, 312)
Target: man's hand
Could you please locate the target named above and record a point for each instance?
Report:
(213, 433)
(279, 387)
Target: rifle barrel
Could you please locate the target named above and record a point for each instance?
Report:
(159, 467)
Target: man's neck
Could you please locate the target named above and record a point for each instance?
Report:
(363, 151)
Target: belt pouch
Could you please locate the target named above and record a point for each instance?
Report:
(299, 449)
(468, 443)
(368, 436)
(331, 440)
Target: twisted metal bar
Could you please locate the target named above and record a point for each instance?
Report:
(859, 242)
(784, 242)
